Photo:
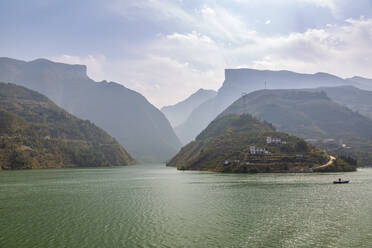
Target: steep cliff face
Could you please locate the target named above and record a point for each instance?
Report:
(179, 112)
(125, 114)
(36, 133)
(242, 81)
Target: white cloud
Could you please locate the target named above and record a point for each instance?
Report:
(320, 3)
(178, 64)
(343, 50)
(221, 24)
(159, 9)
(213, 20)
(174, 65)
(164, 80)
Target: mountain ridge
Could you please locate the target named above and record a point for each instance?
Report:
(242, 81)
(123, 113)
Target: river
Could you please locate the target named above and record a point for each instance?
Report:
(156, 206)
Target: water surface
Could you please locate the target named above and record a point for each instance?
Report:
(155, 206)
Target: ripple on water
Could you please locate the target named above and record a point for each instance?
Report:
(155, 206)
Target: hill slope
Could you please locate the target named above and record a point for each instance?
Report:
(179, 112)
(125, 114)
(36, 133)
(360, 82)
(238, 143)
(311, 115)
(356, 99)
(240, 81)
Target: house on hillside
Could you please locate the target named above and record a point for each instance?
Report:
(258, 150)
(271, 140)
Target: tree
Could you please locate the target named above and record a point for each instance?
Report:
(301, 146)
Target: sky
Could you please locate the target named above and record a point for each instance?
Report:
(168, 49)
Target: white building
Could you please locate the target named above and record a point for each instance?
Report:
(252, 150)
(271, 140)
(258, 150)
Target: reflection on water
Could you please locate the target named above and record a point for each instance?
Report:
(155, 206)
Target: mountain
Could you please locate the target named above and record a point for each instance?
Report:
(360, 82)
(313, 116)
(36, 133)
(125, 114)
(241, 81)
(179, 112)
(356, 99)
(242, 143)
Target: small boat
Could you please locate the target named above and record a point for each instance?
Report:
(340, 181)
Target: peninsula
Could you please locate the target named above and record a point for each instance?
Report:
(243, 144)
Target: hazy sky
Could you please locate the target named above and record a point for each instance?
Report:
(167, 49)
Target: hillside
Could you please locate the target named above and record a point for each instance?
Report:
(356, 99)
(36, 133)
(125, 114)
(179, 112)
(242, 81)
(313, 116)
(239, 144)
(361, 82)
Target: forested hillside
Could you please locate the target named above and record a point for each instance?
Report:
(313, 116)
(243, 144)
(36, 133)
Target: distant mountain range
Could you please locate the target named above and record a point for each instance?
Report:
(179, 112)
(125, 114)
(241, 143)
(36, 133)
(309, 107)
(311, 115)
(242, 81)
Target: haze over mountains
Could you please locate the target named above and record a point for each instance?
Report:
(310, 107)
(125, 114)
(241, 81)
(179, 112)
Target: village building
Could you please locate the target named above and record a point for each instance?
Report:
(271, 140)
(258, 150)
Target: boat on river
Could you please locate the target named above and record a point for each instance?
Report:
(340, 181)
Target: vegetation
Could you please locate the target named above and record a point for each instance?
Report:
(35, 133)
(313, 116)
(224, 146)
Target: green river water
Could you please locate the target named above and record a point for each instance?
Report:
(156, 206)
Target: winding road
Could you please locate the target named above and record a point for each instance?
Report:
(330, 162)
